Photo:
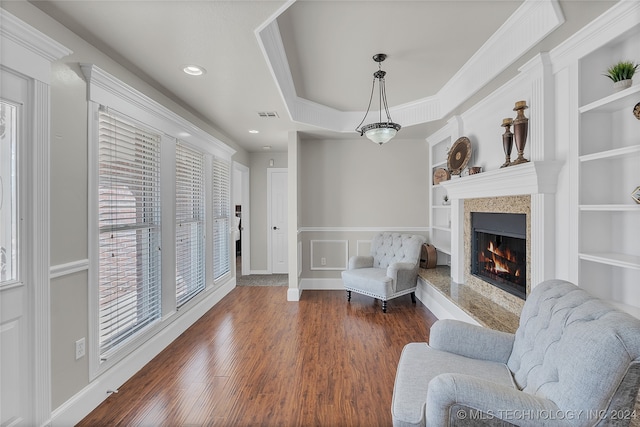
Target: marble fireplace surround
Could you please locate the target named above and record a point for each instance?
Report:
(503, 204)
(527, 188)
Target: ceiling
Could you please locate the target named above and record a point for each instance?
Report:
(328, 44)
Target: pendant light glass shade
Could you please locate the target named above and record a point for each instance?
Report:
(379, 132)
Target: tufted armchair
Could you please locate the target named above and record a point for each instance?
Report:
(389, 272)
(574, 361)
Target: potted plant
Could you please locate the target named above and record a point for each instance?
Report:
(621, 74)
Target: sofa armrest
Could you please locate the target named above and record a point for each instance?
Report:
(487, 399)
(404, 275)
(469, 340)
(360, 261)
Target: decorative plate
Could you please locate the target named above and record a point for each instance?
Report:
(459, 155)
(636, 195)
(439, 175)
(636, 111)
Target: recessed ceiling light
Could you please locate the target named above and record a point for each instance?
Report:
(194, 70)
(266, 147)
(253, 131)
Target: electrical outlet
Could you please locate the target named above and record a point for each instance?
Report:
(79, 348)
(323, 261)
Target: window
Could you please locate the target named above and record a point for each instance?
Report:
(147, 187)
(8, 194)
(129, 228)
(190, 223)
(221, 218)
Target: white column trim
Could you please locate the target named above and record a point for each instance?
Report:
(39, 209)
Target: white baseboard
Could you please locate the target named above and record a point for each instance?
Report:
(258, 272)
(317, 284)
(82, 403)
(293, 294)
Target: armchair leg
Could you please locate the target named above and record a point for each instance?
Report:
(384, 306)
(348, 295)
(413, 297)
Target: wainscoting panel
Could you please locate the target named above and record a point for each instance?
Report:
(329, 254)
(363, 247)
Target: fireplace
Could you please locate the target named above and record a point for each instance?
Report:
(499, 250)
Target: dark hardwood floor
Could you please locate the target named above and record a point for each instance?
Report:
(257, 360)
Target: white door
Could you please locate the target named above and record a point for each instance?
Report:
(15, 330)
(277, 178)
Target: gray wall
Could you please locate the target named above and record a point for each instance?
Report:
(356, 183)
(352, 188)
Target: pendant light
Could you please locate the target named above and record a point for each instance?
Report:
(379, 132)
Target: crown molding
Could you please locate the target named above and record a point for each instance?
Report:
(527, 26)
(26, 49)
(105, 89)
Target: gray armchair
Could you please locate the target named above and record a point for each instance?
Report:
(574, 361)
(389, 272)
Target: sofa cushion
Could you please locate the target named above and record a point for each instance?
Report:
(419, 364)
(372, 281)
(572, 348)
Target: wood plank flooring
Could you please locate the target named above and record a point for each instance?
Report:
(257, 360)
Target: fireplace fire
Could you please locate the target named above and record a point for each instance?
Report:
(499, 251)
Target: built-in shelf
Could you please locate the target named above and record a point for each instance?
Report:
(610, 208)
(447, 229)
(439, 164)
(444, 250)
(608, 148)
(441, 207)
(612, 258)
(612, 154)
(614, 102)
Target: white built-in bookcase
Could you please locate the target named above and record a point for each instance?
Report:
(440, 212)
(608, 170)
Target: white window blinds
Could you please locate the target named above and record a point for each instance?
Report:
(190, 223)
(221, 217)
(129, 224)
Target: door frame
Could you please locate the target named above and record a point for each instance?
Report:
(270, 172)
(245, 234)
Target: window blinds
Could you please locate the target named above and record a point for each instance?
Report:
(190, 208)
(129, 224)
(221, 220)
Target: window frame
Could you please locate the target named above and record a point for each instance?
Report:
(145, 167)
(105, 90)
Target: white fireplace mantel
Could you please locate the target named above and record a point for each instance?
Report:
(537, 179)
(529, 178)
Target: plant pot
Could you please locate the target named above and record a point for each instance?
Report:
(622, 84)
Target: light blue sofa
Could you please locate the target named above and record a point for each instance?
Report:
(574, 361)
(389, 272)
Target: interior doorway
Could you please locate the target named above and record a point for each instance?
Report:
(242, 229)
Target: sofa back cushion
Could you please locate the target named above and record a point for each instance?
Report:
(387, 248)
(573, 348)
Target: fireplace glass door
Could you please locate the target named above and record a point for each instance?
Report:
(499, 251)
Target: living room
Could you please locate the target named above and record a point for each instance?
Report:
(338, 197)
